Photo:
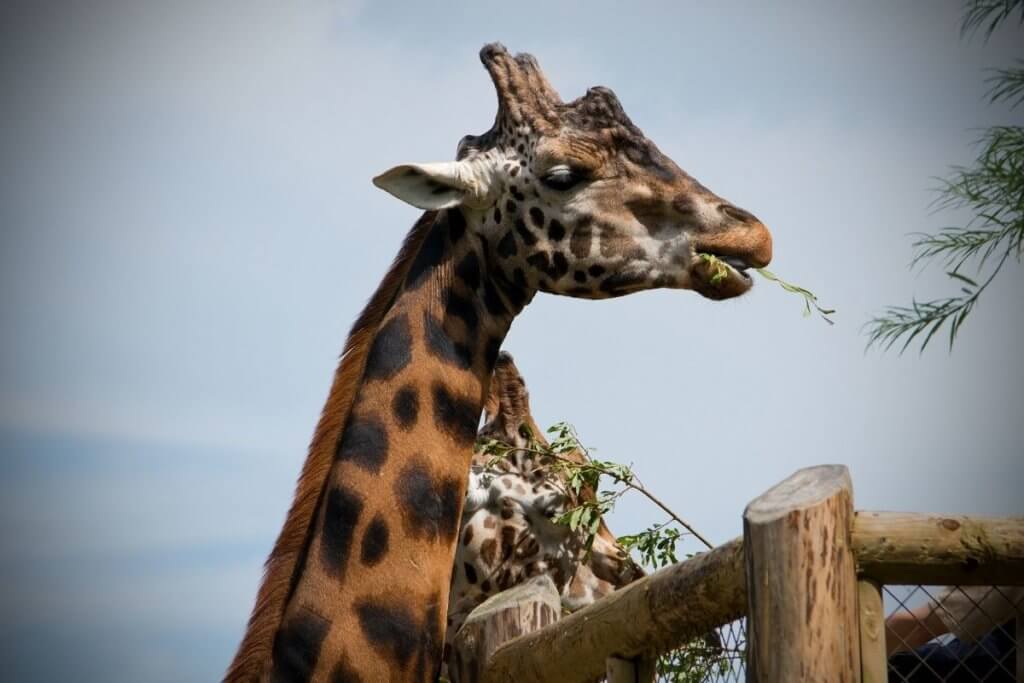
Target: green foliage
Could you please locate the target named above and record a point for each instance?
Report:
(991, 190)
(810, 298)
(695, 663)
(720, 267)
(657, 546)
(1007, 85)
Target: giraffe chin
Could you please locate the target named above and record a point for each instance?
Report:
(703, 281)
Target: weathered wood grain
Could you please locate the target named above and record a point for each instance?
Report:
(801, 582)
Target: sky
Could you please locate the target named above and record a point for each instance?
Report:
(189, 229)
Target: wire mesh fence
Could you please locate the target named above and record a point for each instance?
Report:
(953, 633)
(718, 657)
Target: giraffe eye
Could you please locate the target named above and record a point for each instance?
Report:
(562, 178)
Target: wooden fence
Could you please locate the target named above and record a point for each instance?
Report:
(807, 574)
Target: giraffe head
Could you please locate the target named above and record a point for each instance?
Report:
(572, 198)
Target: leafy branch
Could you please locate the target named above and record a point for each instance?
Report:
(987, 15)
(991, 189)
(1007, 84)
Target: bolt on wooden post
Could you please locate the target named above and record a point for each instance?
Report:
(801, 580)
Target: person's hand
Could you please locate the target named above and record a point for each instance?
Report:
(909, 629)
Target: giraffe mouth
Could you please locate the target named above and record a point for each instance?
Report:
(720, 276)
(737, 264)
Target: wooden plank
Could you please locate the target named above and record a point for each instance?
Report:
(1020, 646)
(912, 548)
(801, 581)
(873, 660)
(636, 670)
(659, 612)
(501, 618)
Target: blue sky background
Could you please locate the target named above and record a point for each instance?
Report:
(188, 230)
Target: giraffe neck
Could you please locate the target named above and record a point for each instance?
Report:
(368, 598)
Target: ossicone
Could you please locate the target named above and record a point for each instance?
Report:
(524, 94)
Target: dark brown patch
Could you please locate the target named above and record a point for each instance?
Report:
(454, 415)
(529, 239)
(468, 270)
(406, 406)
(461, 308)
(539, 261)
(375, 541)
(537, 216)
(429, 505)
(556, 231)
(508, 541)
(492, 300)
(429, 256)
(391, 350)
(297, 647)
(507, 245)
(559, 266)
(441, 345)
(364, 443)
(491, 350)
(341, 514)
(456, 225)
(391, 630)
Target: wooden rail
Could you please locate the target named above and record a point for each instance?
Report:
(903, 547)
(812, 569)
(655, 614)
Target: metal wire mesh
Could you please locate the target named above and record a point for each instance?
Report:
(718, 657)
(952, 634)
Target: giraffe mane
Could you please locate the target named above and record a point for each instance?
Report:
(253, 659)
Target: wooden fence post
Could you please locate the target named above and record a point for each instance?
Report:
(873, 661)
(638, 670)
(1020, 642)
(801, 580)
(502, 617)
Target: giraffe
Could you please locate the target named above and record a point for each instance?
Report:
(565, 198)
(508, 533)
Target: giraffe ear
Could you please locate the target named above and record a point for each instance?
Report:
(435, 186)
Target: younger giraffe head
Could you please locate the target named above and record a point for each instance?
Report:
(571, 198)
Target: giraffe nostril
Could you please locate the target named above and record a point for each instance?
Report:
(737, 214)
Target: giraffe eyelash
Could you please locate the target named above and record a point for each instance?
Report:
(562, 177)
